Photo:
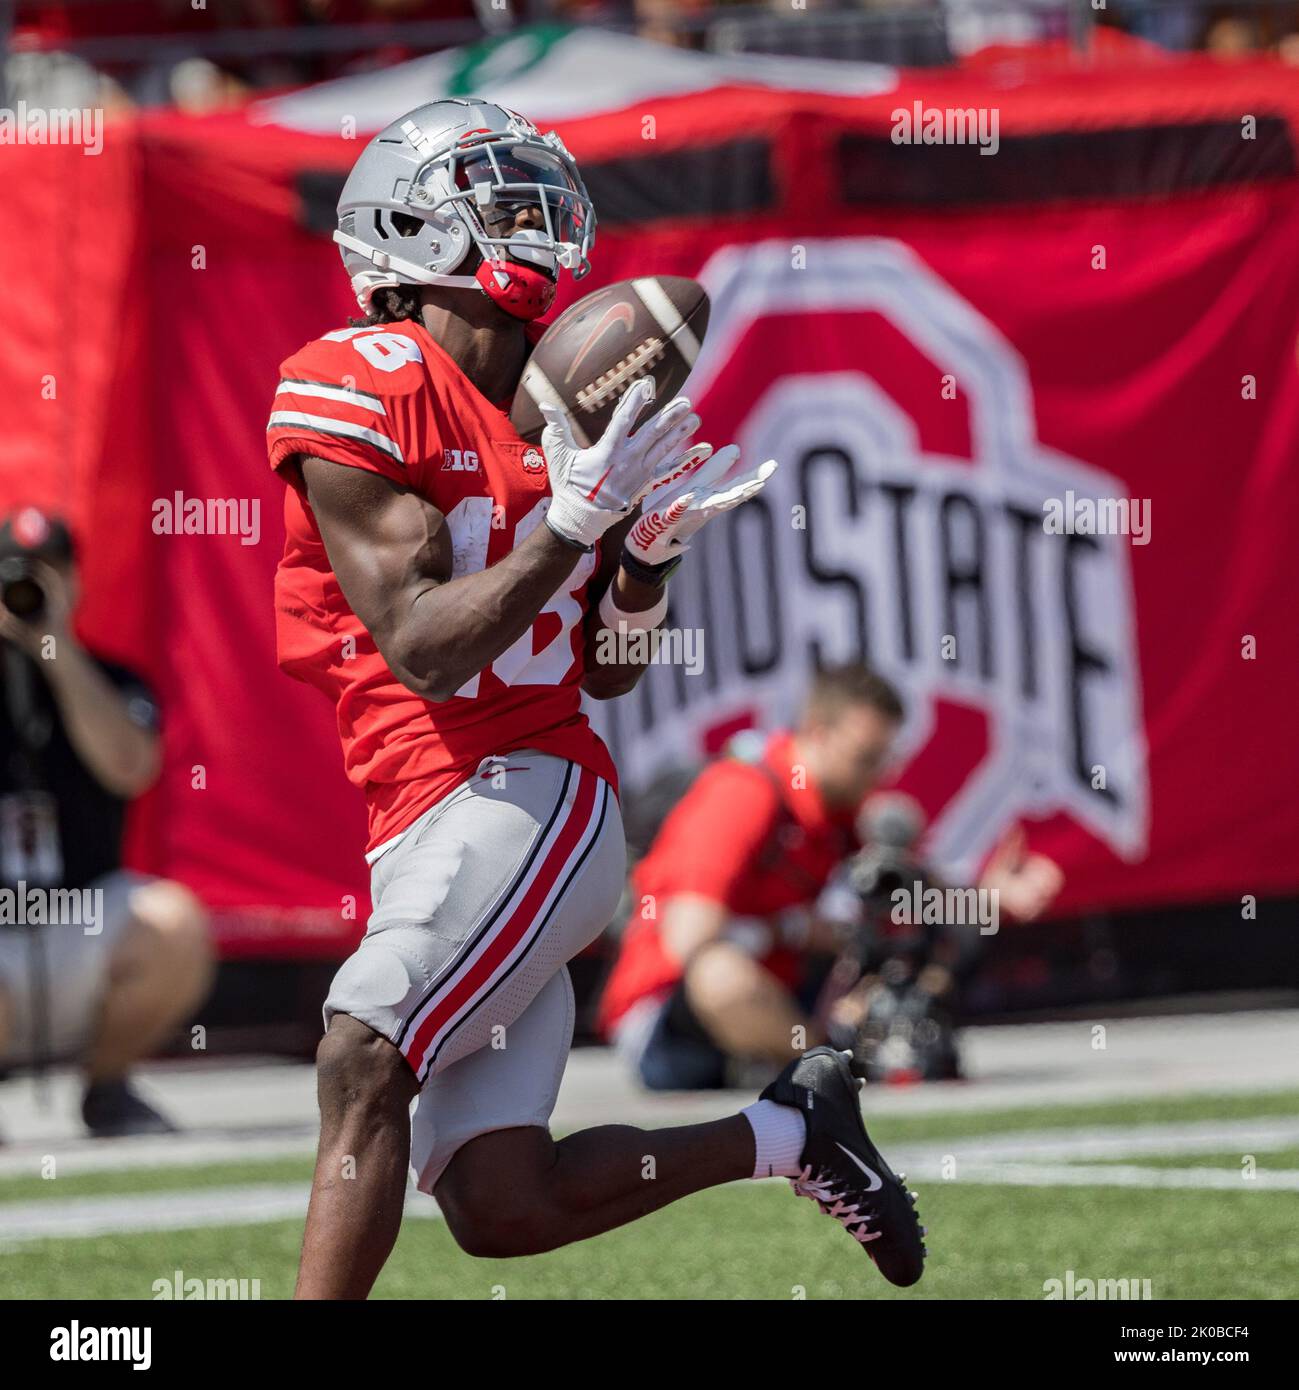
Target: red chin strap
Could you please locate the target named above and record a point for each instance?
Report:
(527, 293)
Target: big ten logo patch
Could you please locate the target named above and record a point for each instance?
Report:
(459, 461)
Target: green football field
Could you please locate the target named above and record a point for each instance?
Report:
(1223, 1237)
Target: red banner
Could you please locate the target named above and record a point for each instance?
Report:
(964, 377)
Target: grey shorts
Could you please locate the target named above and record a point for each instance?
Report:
(74, 963)
(477, 908)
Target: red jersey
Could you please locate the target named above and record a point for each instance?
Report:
(389, 400)
(744, 835)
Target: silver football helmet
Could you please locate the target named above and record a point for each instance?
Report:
(450, 177)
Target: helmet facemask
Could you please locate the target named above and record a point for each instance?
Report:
(484, 181)
(493, 182)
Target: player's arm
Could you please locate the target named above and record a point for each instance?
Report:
(391, 551)
(605, 679)
(391, 547)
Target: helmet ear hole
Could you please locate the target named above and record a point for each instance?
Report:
(401, 223)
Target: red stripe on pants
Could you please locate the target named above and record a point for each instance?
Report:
(508, 934)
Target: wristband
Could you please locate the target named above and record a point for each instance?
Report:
(653, 575)
(614, 617)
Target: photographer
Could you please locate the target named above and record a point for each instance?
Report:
(78, 740)
(909, 941)
(716, 968)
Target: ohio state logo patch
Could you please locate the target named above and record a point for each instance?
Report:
(527, 458)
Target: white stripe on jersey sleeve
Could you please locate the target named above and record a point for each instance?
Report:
(362, 400)
(324, 424)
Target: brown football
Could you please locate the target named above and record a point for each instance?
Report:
(597, 347)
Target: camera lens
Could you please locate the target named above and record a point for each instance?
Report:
(19, 590)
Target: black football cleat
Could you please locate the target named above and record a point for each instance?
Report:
(843, 1172)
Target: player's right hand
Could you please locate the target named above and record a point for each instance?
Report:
(592, 489)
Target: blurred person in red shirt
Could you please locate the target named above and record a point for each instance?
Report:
(714, 966)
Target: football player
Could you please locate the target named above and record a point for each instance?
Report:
(445, 584)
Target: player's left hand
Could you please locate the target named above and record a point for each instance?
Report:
(689, 494)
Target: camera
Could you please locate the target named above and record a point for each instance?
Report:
(906, 1033)
(26, 539)
(20, 590)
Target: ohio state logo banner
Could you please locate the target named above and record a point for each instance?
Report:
(1037, 419)
(1033, 528)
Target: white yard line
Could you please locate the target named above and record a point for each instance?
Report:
(156, 1151)
(21, 1222)
(1041, 1158)
(1106, 1175)
(80, 1217)
(1092, 1141)
(1109, 1141)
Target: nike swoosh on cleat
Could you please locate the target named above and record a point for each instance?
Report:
(876, 1181)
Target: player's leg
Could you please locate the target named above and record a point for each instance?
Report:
(481, 1145)
(358, 1191)
(480, 1138)
(458, 946)
(506, 1188)
(520, 1192)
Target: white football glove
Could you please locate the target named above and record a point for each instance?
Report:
(592, 489)
(689, 494)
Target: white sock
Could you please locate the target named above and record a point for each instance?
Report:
(778, 1137)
